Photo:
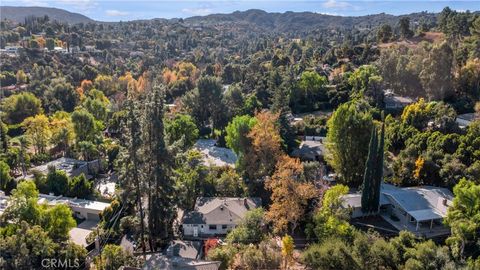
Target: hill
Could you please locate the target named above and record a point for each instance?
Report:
(18, 14)
(304, 21)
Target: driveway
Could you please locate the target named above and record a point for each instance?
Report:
(79, 233)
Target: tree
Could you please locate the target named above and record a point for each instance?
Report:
(113, 257)
(84, 125)
(26, 248)
(373, 176)
(57, 181)
(289, 195)
(347, 140)
(3, 137)
(158, 174)
(287, 249)
(182, 128)
(475, 28)
(311, 89)
(58, 221)
(266, 146)
(404, 25)
(367, 82)
(5, 178)
(332, 218)
(249, 230)
(234, 100)
(37, 129)
(468, 79)
(212, 110)
(463, 217)
(436, 75)
(427, 255)
(384, 33)
(23, 204)
(62, 133)
(368, 185)
(131, 175)
(50, 44)
(237, 131)
(96, 105)
(21, 77)
(20, 106)
(191, 180)
(61, 95)
(80, 187)
(333, 254)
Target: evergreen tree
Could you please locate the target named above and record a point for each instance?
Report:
(368, 177)
(372, 179)
(378, 177)
(132, 164)
(161, 206)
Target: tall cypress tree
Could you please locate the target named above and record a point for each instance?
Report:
(372, 179)
(377, 179)
(367, 185)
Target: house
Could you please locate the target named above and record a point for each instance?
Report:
(216, 216)
(185, 249)
(394, 102)
(60, 50)
(419, 210)
(71, 167)
(84, 209)
(214, 155)
(464, 120)
(3, 202)
(312, 149)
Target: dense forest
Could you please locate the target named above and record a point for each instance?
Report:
(138, 95)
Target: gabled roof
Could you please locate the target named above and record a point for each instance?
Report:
(217, 210)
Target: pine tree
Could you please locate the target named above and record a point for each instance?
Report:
(157, 163)
(132, 164)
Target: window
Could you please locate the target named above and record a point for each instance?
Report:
(212, 227)
(224, 227)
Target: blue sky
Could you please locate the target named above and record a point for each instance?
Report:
(116, 10)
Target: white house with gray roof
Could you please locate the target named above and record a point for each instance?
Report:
(216, 216)
(417, 209)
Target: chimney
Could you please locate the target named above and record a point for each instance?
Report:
(245, 203)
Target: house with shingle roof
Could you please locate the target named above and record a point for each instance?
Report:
(213, 216)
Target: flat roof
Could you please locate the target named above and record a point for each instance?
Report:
(73, 202)
(425, 214)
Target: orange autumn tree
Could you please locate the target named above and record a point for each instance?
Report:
(266, 146)
(290, 195)
(85, 86)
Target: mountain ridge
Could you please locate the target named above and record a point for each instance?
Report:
(18, 14)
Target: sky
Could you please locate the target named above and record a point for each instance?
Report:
(124, 10)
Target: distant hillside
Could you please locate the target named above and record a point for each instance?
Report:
(304, 21)
(18, 14)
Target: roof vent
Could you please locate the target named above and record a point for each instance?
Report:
(445, 202)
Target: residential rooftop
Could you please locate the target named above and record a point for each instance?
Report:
(217, 210)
